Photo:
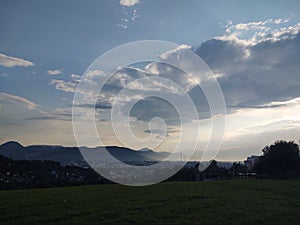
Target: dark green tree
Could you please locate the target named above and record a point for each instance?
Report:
(237, 168)
(279, 158)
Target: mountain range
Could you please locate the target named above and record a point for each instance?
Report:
(66, 155)
(73, 156)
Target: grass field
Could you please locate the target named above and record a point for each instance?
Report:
(221, 202)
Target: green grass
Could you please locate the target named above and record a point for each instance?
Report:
(221, 202)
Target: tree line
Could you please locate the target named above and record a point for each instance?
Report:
(43, 173)
(279, 160)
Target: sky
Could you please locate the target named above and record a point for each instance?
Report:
(253, 49)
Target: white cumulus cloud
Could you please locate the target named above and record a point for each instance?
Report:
(253, 33)
(129, 2)
(66, 86)
(55, 72)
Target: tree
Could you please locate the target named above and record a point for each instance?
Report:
(279, 158)
(237, 168)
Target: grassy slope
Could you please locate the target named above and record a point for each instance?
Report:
(223, 202)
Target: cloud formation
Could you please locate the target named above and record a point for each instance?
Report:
(4, 97)
(9, 61)
(129, 16)
(129, 13)
(250, 75)
(67, 86)
(256, 72)
(129, 2)
(55, 72)
(253, 33)
(64, 114)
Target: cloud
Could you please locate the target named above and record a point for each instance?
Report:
(258, 79)
(9, 61)
(135, 15)
(295, 101)
(185, 81)
(254, 75)
(267, 118)
(169, 132)
(253, 33)
(152, 107)
(128, 18)
(88, 90)
(55, 72)
(129, 13)
(156, 79)
(222, 55)
(122, 25)
(64, 114)
(154, 131)
(175, 51)
(124, 77)
(137, 90)
(4, 97)
(128, 2)
(97, 106)
(69, 86)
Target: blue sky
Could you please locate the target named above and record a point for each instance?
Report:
(46, 46)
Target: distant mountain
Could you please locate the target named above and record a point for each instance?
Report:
(16, 151)
(12, 150)
(67, 155)
(155, 156)
(72, 155)
(13, 145)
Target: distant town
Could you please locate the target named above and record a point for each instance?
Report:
(279, 160)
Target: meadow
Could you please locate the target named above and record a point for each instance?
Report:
(233, 202)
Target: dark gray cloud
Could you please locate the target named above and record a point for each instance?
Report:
(151, 107)
(155, 131)
(221, 55)
(51, 117)
(255, 75)
(103, 105)
(240, 106)
(169, 132)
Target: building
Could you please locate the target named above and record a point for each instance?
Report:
(251, 161)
